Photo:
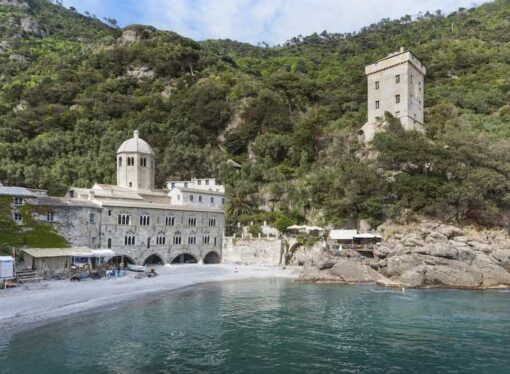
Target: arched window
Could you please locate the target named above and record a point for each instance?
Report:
(109, 243)
(120, 161)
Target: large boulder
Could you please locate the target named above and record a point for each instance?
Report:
(450, 231)
(354, 272)
(436, 236)
(397, 265)
(502, 257)
(414, 277)
(453, 275)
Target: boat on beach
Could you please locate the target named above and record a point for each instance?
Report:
(137, 268)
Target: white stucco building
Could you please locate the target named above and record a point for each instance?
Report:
(396, 85)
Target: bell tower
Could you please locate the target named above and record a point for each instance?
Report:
(136, 164)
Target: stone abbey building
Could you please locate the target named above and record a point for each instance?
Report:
(138, 222)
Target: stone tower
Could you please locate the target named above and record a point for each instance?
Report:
(396, 84)
(135, 164)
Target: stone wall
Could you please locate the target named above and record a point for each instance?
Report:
(253, 251)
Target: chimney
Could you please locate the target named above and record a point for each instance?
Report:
(135, 134)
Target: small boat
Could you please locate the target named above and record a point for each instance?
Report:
(138, 268)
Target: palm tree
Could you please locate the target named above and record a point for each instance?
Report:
(237, 204)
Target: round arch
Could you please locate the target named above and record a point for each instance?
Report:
(185, 258)
(212, 258)
(154, 259)
(121, 259)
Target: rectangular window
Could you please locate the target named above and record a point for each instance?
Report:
(190, 197)
(411, 79)
(207, 182)
(223, 200)
(18, 217)
(212, 200)
(199, 182)
(93, 242)
(109, 212)
(397, 99)
(50, 217)
(92, 218)
(185, 184)
(397, 78)
(192, 221)
(212, 222)
(170, 221)
(200, 199)
(18, 200)
(377, 104)
(377, 85)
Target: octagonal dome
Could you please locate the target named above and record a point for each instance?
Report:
(135, 145)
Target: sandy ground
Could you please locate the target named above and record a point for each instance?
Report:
(34, 304)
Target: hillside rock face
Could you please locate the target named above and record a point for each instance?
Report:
(424, 255)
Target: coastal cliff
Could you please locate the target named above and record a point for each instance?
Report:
(427, 254)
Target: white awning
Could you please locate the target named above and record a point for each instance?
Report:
(103, 253)
(342, 234)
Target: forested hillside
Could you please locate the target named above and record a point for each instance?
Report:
(73, 88)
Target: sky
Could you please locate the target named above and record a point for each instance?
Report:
(255, 21)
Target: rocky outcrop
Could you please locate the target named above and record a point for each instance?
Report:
(141, 72)
(428, 254)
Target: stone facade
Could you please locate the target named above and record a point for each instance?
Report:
(254, 251)
(136, 221)
(396, 85)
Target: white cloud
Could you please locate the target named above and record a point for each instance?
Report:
(273, 21)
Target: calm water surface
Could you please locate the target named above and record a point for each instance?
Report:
(276, 326)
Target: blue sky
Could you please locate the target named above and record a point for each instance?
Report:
(253, 21)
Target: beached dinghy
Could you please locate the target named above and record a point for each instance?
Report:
(138, 268)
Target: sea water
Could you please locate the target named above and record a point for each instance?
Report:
(277, 326)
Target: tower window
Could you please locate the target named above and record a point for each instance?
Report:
(411, 78)
(377, 85)
(109, 243)
(377, 104)
(397, 78)
(199, 199)
(120, 161)
(397, 99)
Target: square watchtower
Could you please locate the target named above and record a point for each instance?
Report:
(396, 84)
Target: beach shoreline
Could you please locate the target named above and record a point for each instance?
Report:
(33, 305)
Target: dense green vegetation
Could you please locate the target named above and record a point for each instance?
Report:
(75, 88)
(31, 232)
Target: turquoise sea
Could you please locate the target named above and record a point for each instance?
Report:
(277, 326)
